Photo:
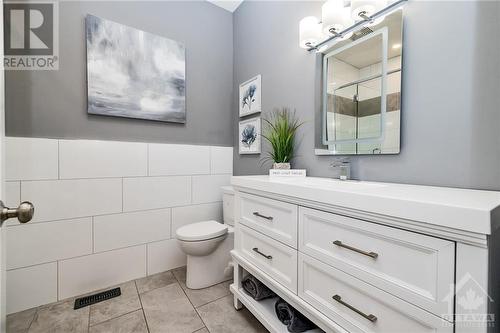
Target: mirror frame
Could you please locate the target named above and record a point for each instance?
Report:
(384, 31)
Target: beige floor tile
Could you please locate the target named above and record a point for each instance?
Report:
(155, 281)
(200, 297)
(60, 318)
(168, 310)
(221, 317)
(19, 322)
(127, 302)
(130, 323)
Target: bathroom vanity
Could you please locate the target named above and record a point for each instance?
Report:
(368, 257)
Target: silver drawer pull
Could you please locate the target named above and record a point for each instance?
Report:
(262, 254)
(370, 317)
(369, 254)
(270, 218)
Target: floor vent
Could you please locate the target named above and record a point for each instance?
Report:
(96, 298)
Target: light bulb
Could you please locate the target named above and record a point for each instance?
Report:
(309, 31)
(335, 17)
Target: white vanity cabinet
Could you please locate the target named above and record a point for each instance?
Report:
(411, 266)
(368, 257)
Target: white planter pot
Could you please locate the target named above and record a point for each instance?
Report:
(286, 166)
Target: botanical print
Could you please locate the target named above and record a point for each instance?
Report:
(134, 74)
(250, 96)
(249, 136)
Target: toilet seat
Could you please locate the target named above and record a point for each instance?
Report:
(201, 231)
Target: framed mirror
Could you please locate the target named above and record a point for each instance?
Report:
(361, 92)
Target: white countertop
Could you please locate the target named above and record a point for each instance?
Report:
(461, 209)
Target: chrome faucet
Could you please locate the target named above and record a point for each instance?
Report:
(344, 168)
(376, 150)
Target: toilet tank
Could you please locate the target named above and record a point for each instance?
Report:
(228, 204)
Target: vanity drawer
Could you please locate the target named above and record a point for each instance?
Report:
(414, 267)
(359, 307)
(274, 218)
(276, 259)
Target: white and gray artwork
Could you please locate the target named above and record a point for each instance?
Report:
(249, 136)
(134, 74)
(250, 96)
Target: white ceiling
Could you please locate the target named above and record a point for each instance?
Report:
(229, 5)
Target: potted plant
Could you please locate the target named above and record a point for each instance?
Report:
(280, 128)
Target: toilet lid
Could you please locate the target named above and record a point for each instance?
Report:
(201, 231)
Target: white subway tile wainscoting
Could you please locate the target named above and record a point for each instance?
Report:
(106, 212)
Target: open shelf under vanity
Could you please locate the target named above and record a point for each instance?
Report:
(264, 311)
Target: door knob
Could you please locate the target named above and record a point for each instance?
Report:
(24, 212)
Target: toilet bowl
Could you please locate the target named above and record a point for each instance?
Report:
(207, 245)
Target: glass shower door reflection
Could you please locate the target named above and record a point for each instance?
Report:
(342, 124)
(369, 122)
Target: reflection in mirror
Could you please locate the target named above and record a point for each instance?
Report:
(362, 92)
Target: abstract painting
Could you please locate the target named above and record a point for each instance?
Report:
(134, 74)
(249, 136)
(250, 96)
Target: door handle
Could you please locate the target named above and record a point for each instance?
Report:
(270, 218)
(24, 212)
(370, 317)
(255, 249)
(373, 255)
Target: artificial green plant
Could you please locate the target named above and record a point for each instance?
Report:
(280, 130)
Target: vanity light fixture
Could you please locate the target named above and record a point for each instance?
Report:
(364, 9)
(310, 32)
(396, 46)
(340, 22)
(335, 18)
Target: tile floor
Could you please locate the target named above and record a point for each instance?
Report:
(157, 303)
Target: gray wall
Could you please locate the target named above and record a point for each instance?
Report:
(53, 103)
(450, 105)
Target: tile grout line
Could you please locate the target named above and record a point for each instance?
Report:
(57, 260)
(110, 319)
(118, 213)
(142, 307)
(194, 308)
(86, 255)
(33, 319)
(215, 300)
(176, 279)
(189, 300)
(43, 179)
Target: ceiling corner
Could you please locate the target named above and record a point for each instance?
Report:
(229, 5)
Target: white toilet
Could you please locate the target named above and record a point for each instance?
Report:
(207, 245)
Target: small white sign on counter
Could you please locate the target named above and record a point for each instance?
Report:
(287, 172)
